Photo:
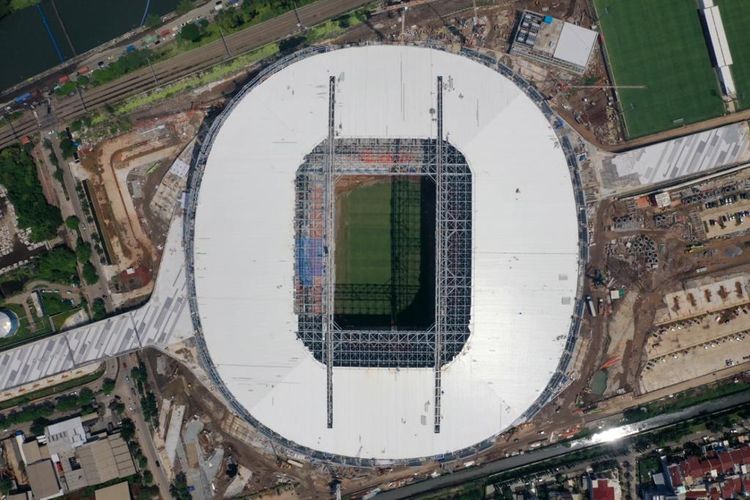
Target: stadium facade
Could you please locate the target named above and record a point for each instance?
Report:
(508, 238)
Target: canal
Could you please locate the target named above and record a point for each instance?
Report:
(40, 37)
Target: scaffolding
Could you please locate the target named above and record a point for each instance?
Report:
(317, 296)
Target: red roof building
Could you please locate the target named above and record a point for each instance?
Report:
(604, 489)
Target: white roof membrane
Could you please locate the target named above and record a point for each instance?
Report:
(575, 44)
(525, 259)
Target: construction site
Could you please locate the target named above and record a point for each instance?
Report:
(521, 302)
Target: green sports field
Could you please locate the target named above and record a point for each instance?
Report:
(379, 253)
(659, 44)
(735, 14)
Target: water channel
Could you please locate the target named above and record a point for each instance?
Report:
(40, 37)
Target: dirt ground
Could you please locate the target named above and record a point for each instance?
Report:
(584, 100)
(117, 170)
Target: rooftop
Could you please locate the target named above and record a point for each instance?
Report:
(523, 288)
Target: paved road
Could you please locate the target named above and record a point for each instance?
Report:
(490, 468)
(71, 107)
(126, 390)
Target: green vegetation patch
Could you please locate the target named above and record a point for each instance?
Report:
(660, 45)
(682, 400)
(735, 14)
(380, 275)
(18, 175)
(363, 241)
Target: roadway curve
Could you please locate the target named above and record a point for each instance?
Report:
(71, 107)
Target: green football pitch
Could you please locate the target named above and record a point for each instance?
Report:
(379, 237)
(735, 14)
(659, 44)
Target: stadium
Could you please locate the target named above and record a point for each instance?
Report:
(384, 248)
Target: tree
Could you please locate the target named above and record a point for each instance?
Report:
(291, 43)
(191, 32)
(85, 397)
(142, 462)
(58, 265)
(38, 425)
(153, 21)
(83, 250)
(117, 407)
(149, 407)
(5, 485)
(108, 385)
(66, 403)
(18, 175)
(90, 276)
(67, 147)
(73, 223)
(184, 7)
(99, 310)
(138, 373)
(127, 429)
(179, 487)
(148, 477)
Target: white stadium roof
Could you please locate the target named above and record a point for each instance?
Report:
(525, 252)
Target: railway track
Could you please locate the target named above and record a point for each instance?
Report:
(179, 66)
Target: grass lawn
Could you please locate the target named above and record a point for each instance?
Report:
(735, 14)
(659, 44)
(363, 241)
(27, 332)
(378, 252)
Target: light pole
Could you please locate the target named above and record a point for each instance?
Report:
(224, 41)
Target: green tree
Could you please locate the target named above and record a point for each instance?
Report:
(184, 7)
(90, 276)
(67, 147)
(153, 21)
(73, 223)
(57, 265)
(6, 485)
(142, 462)
(179, 487)
(191, 32)
(148, 477)
(108, 385)
(99, 309)
(127, 429)
(38, 425)
(66, 403)
(19, 176)
(85, 397)
(83, 250)
(149, 407)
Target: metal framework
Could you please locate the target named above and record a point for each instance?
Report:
(318, 300)
(440, 258)
(308, 210)
(329, 274)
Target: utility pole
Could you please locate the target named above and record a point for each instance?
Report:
(80, 96)
(403, 22)
(224, 41)
(296, 14)
(10, 123)
(153, 73)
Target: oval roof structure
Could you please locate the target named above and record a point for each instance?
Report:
(524, 237)
(8, 323)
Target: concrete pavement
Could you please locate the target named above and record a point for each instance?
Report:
(126, 389)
